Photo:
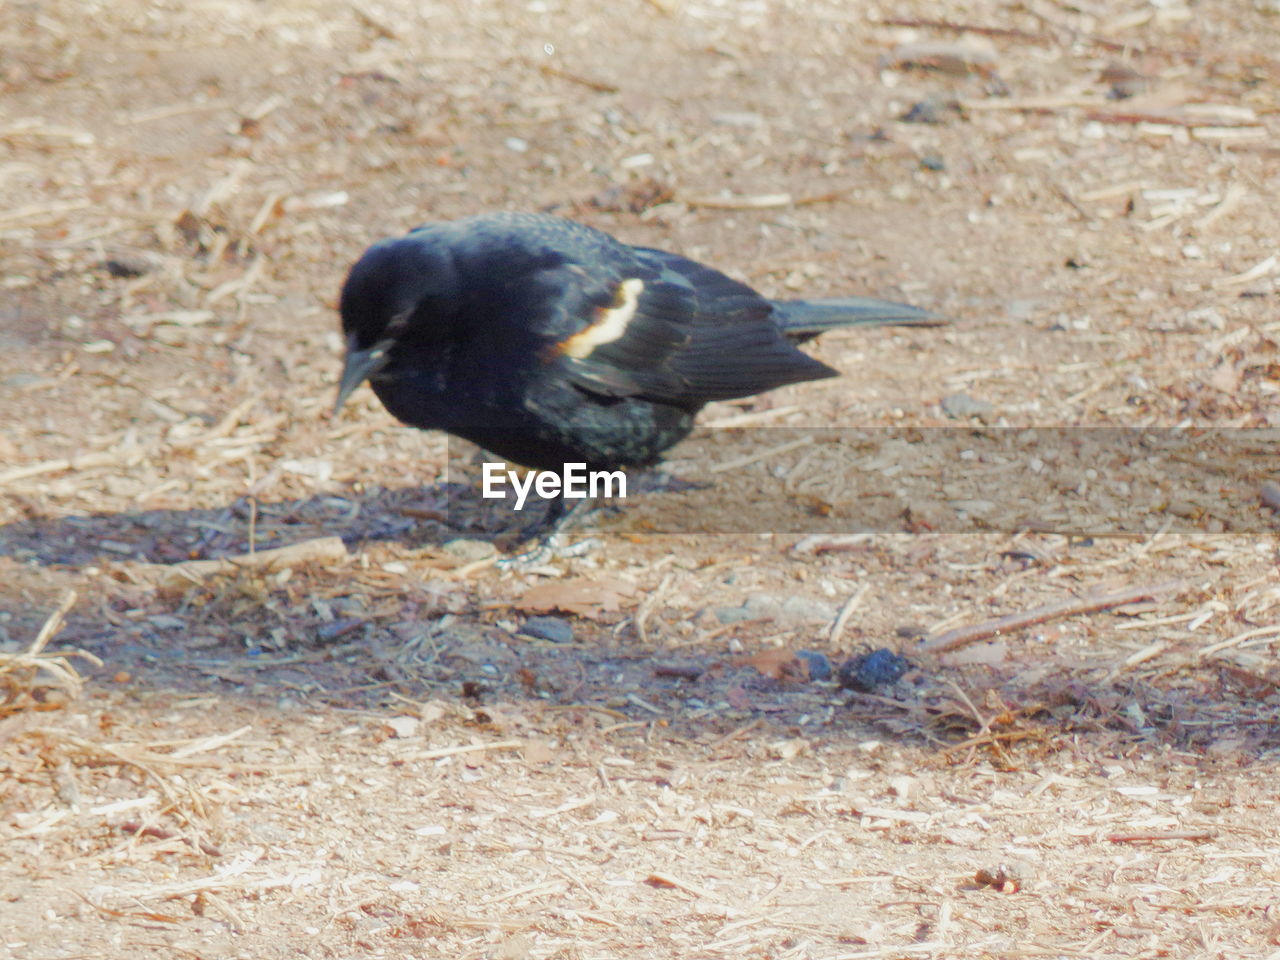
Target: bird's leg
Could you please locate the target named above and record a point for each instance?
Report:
(549, 524)
(548, 534)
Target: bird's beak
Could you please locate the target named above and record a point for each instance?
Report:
(359, 366)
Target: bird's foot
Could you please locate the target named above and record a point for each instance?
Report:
(548, 549)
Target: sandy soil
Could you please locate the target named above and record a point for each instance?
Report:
(369, 753)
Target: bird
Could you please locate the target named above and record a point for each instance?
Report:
(546, 341)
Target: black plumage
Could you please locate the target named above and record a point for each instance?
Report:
(549, 342)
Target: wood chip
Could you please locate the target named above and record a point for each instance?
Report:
(176, 576)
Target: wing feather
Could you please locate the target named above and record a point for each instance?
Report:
(691, 335)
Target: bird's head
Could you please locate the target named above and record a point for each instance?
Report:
(399, 294)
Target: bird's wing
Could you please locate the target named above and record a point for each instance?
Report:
(680, 332)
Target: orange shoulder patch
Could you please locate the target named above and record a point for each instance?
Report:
(610, 322)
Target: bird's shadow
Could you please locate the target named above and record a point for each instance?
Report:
(418, 517)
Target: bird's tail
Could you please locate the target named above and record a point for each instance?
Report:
(803, 319)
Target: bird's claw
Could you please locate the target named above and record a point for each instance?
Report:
(554, 547)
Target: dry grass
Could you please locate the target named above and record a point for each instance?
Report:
(300, 747)
(29, 676)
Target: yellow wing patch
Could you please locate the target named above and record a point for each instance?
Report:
(610, 322)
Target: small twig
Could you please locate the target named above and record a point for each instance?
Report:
(597, 85)
(590, 707)
(629, 725)
(995, 740)
(1115, 46)
(1011, 32)
(1171, 120)
(374, 22)
(43, 209)
(1143, 836)
(138, 914)
(159, 833)
(320, 549)
(177, 110)
(761, 455)
(529, 890)
(820, 543)
(735, 734)
(751, 419)
(644, 704)
(961, 636)
(1065, 194)
(984, 735)
(1238, 640)
(1256, 272)
(1232, 199)
(667, 880)
(56, 665)
(87, 462)
(647, 607)
(1051, 104)
(842, 618)
(468, 748)
(809, 199)
(762, 201)
(475, 566)
(673, 670)
(54, 623)
(222, 428)
(983, 723)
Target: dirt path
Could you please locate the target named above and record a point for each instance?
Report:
(372, 755)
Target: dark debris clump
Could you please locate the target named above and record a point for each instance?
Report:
(868, 671)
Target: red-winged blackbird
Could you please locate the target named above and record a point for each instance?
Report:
(548, 342)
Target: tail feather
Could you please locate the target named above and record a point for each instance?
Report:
(804, 319)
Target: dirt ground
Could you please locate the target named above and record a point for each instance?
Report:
(366, 749)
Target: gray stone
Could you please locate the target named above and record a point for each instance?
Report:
(819, 664)
(549, 628)
(960, 406)
(469, 550)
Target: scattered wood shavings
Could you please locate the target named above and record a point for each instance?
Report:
(31, 672)
(242, 778)
(322, 550)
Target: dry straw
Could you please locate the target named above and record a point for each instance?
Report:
(24, 676)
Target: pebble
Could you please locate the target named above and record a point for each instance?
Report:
(126, 267)
(164, 621)
(958, 58)
(334, 629)
(932, 109)
(819, 664)
(959, 406)
(549, 628)
(469, 550)
(790, 609)
(732, 614)
(22, 381)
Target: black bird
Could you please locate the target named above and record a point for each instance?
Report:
(549, 342)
